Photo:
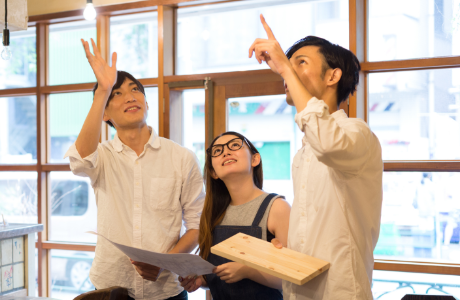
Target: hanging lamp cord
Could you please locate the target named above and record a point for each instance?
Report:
(6, 15)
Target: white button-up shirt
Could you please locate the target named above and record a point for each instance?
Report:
(142, 201)
(337, 204)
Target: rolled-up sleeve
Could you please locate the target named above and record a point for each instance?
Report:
(85, 167)
(341, 144)
(192, 196)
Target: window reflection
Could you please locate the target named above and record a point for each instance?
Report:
(389, 285)
(277, 142)
(135, 39)
(18, 130)
(216, 38)
(420, 217)
(413, 29)
(21, 69)
(416, 114)
(67, 115)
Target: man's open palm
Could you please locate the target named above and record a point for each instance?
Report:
(106, 76)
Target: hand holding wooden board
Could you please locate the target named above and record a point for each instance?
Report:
(283, 263)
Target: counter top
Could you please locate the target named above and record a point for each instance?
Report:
(13, 230)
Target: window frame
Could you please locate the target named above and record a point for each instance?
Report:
(224, 85)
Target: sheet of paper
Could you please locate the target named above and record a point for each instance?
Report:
(182, 264)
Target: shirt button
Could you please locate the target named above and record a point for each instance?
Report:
(303, 214)
(301, 241)
(137, 162)
(137, 205)
(137, 183)
(137, 227)
(308, 159)
(303, 186)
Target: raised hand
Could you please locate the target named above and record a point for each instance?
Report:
(269, 50)
(106, 76)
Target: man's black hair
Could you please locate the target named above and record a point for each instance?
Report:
(335, 56)
(121, 78)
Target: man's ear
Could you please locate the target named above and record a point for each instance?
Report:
(146, 103)
(255, 160)
(334, 77)
(105, 117)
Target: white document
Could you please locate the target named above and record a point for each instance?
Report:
(182, 264)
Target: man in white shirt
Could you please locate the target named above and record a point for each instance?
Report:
(337, 173)
(145, 186)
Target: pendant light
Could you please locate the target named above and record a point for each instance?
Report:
(89, 13)
(6, 53)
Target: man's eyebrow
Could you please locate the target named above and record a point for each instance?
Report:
(131, 83)
(299, 56)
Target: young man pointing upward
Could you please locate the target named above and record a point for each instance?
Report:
(337, 173)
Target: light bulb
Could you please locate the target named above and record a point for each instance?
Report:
(6, 53)
(89, 13)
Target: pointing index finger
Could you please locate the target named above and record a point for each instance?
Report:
(269, 32)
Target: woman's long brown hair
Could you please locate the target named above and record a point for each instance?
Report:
(217, 196)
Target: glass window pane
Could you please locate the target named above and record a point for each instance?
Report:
(151, 96)
(277, 142)
(415, 114)
(69, 272)
(18, 130)
(67, 59)
(73, 208)
(135, 39)
(216, 38)
(18, 194)
(389, 285)
(413, 29)
(21, 70)
(67, 115)
(420, 217)
(188, 123)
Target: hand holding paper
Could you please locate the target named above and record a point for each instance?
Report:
(182, 264)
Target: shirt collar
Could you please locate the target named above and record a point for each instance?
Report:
(339, 114)
(153, 142)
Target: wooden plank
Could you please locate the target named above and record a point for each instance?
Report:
(18, 92)
(22, 168)
(411, 64)
(417, 267)
(283, 263)
(254, 89)
(422, 166)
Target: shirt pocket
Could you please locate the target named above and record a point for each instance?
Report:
(164, 194)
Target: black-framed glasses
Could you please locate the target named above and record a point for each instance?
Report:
(233, 145)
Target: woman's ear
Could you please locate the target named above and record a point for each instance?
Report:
(255, 160)
(214, 175)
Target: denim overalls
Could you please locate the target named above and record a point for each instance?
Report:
(245, 289)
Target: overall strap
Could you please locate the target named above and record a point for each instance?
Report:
(262, 209)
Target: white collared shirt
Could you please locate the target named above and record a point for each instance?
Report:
(337, 204)
(141, 202)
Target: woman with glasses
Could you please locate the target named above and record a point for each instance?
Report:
(235, 202)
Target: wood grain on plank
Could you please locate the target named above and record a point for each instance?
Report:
(283, 263)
